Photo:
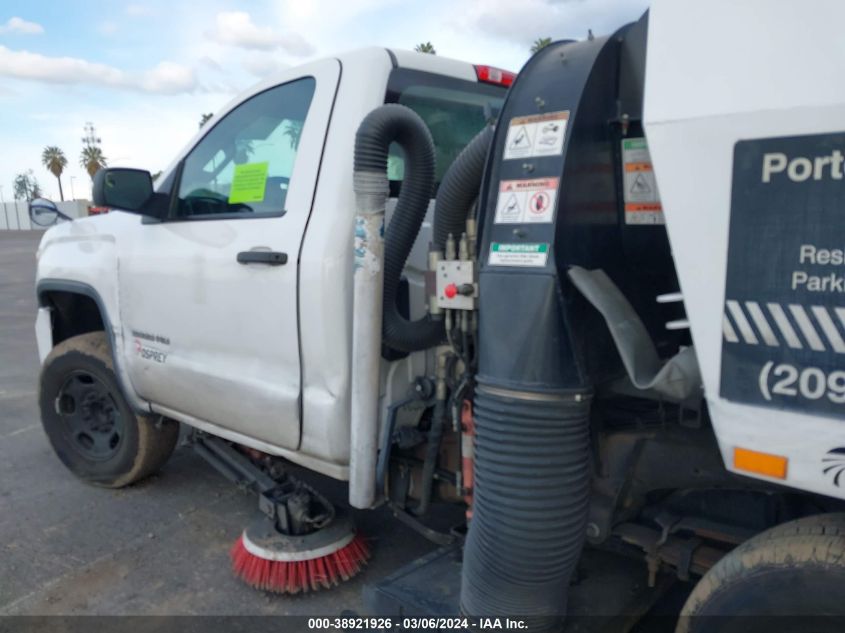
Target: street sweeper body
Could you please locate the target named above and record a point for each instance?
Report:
(618, 324)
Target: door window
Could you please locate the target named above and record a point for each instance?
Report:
(243, 166)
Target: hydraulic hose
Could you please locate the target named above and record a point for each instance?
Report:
(432, 451)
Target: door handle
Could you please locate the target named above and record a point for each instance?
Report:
(272, 258)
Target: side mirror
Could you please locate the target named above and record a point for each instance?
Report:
(124, 189)
(44, 212)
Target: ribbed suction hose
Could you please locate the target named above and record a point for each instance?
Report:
(530, 505)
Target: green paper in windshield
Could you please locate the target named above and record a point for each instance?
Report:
(249, 183)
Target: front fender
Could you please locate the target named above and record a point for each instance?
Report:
(81, 257)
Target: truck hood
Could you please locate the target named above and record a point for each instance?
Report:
(85, 231)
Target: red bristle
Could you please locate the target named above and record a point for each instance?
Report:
(294, 577)
(331, 570)
(312, 574)
(298, 580)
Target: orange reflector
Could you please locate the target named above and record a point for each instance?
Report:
(760, 463)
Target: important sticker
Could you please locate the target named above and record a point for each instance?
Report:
(526, 201)
(536, 135)
(642, 200)
(518, 254)
(249, 183)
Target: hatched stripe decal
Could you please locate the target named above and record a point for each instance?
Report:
(728, 330)
(806, 327)
(829, 329)
(742, 323)
(784, 326)
(821, 328)
(761, 323)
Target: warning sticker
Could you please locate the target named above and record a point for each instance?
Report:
(518, 254)
(642, 201)
(536, 135)
(531, 200)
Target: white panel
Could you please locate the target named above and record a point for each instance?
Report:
(718, 72)
(722, 57)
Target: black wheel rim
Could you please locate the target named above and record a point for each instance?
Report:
(91, 417)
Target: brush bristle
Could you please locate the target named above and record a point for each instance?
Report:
(294, 577)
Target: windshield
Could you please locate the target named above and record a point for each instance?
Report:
(454, 111)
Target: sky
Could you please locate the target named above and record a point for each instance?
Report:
(144, 71)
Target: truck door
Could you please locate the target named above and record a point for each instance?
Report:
(208, 297)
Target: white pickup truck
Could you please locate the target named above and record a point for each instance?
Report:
(226, 303)
(602, 360)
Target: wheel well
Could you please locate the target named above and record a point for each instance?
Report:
(73, 314)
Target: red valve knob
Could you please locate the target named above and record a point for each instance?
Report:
(450, 291)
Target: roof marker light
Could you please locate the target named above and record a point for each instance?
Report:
(491, 75)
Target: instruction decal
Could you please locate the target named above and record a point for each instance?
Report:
(526, 201)
(249, 183)
(518, 254)
(783, 321)
(536, 135)
(642, 201)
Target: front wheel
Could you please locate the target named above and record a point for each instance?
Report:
(795, 569)
(91, 427)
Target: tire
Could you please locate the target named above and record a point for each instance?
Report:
(91, 427)
(793, 569)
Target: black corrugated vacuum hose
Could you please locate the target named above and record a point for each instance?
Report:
(529, 505)
(532, 469)
(460, 188)
(383, 126)
(396, 123)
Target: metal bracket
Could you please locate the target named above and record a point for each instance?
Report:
(440, 538)
(295, 507)
(422, 391)
(667, 521)
(687, 549)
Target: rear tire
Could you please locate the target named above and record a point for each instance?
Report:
(793, 569)
(93, 430)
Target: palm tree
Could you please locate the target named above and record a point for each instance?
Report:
(539, 43)
(205, 118)
(293, 130)
(92, 159)
(26, 186)
(425, 47)
(54, 160)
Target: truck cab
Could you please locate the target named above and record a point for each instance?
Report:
(227, 302)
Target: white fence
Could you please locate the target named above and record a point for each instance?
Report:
(14, 216)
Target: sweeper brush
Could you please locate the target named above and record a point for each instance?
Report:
(301, 542)
(271, 561)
